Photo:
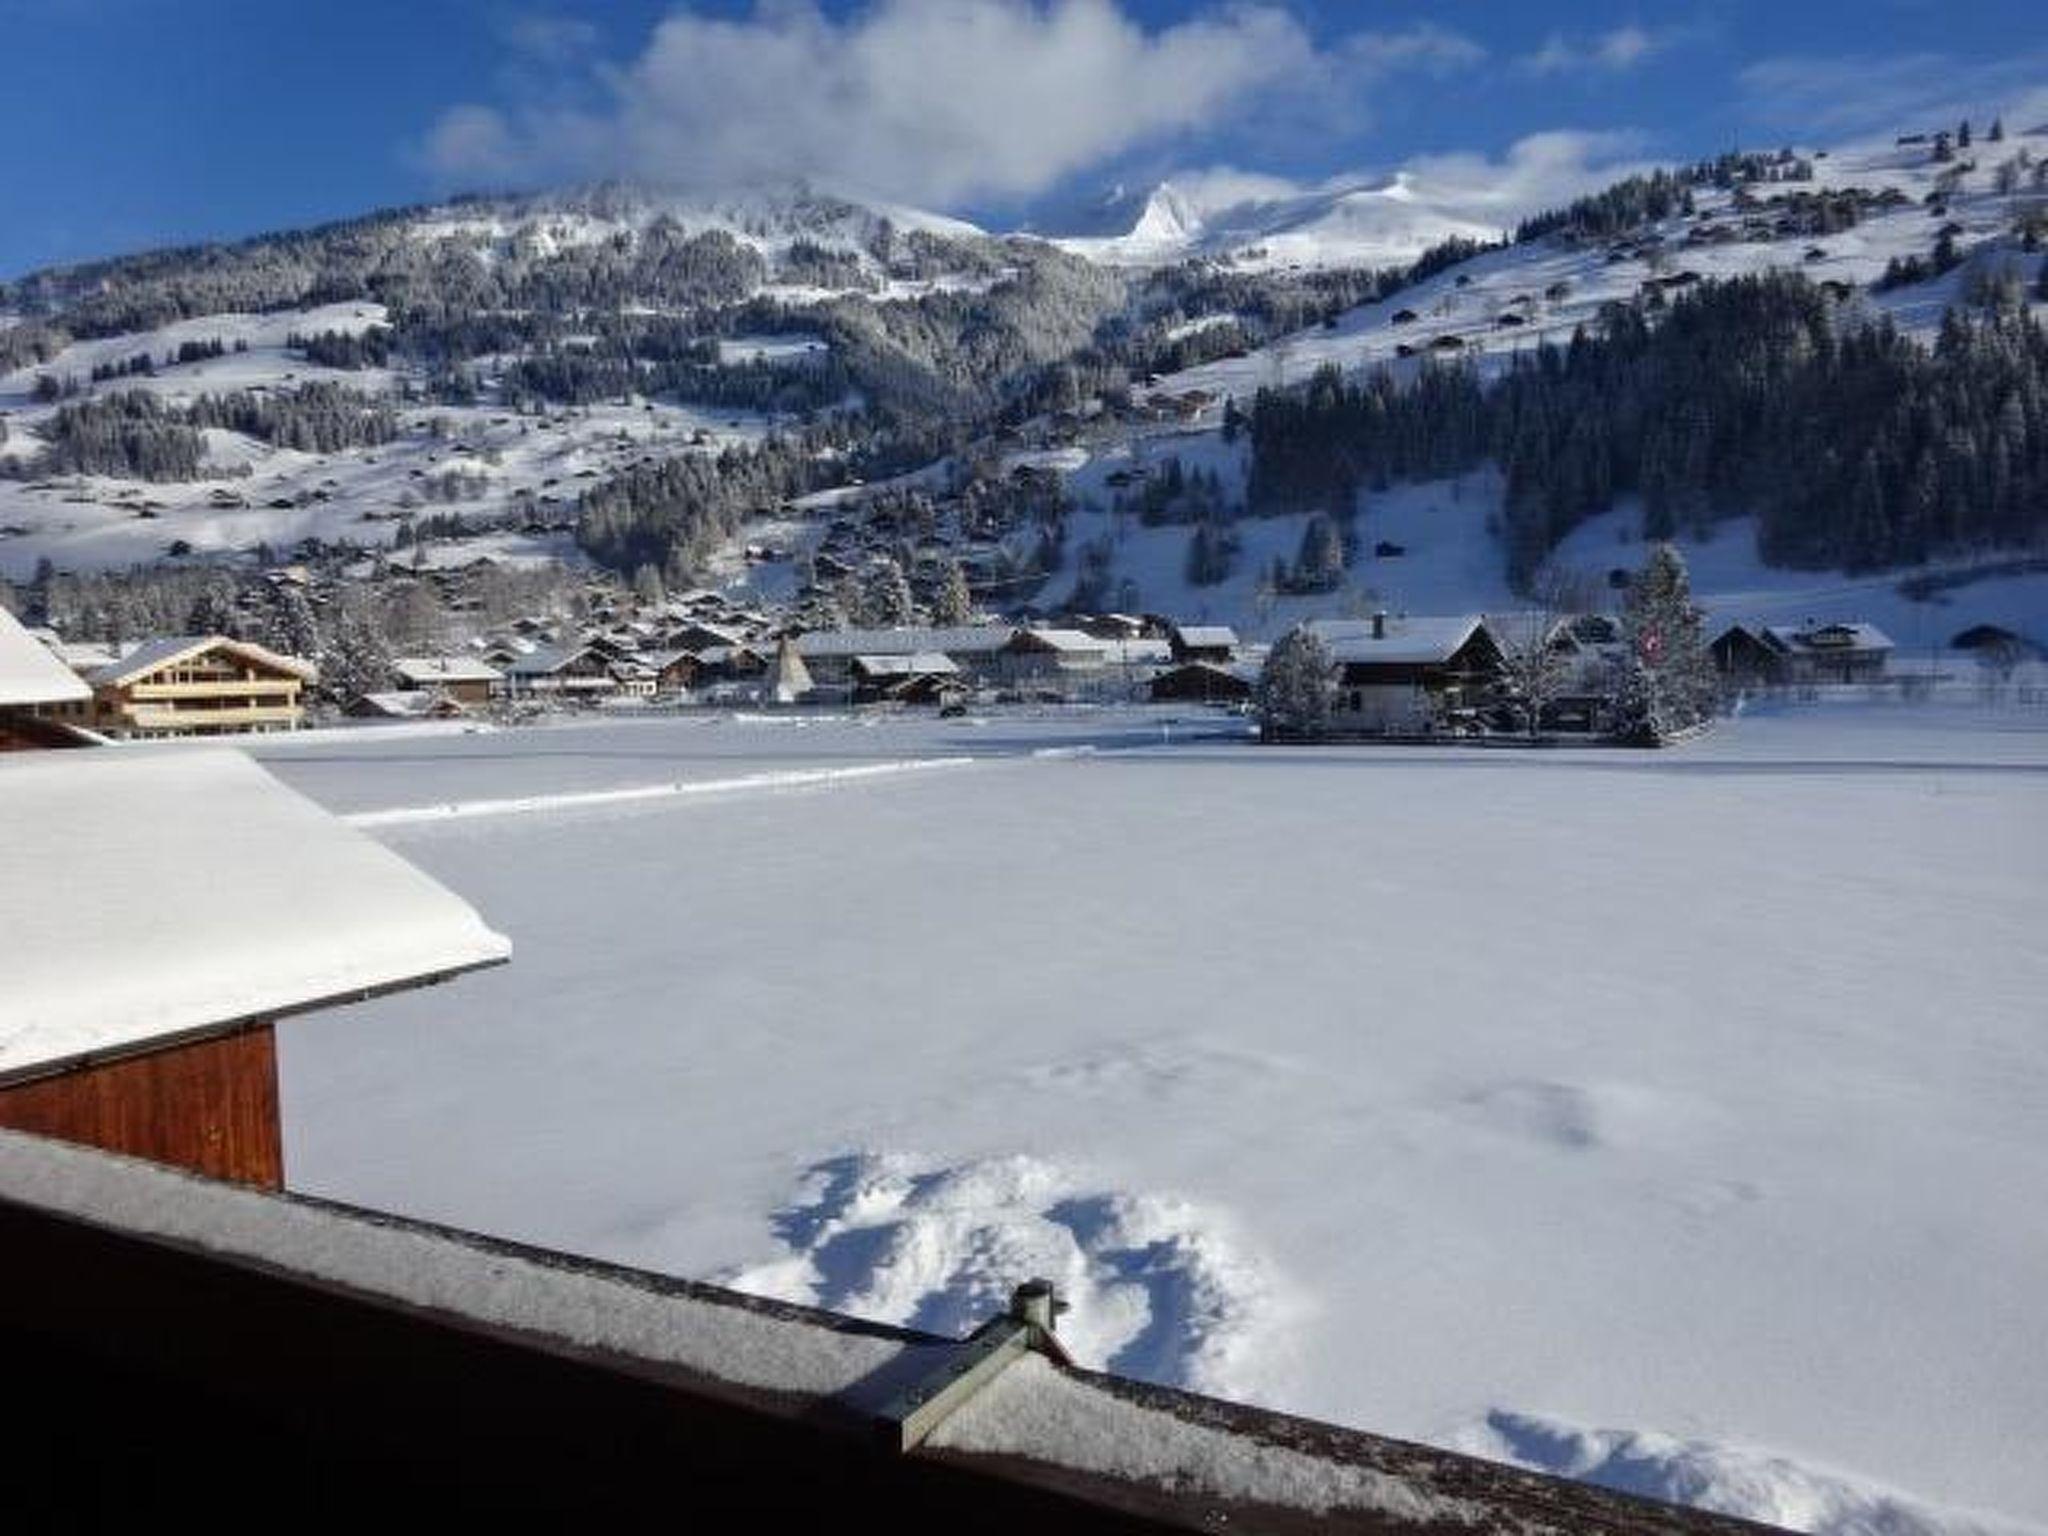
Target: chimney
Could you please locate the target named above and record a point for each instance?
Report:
(1379, 625)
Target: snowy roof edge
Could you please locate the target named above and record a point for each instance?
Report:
(1154, 1454)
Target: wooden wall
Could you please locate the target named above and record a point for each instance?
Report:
(210, 1106)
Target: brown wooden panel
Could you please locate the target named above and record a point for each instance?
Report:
(210, 1106)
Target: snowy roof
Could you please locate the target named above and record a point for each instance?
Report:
(422, 670)
(1066, 640)
(963, 640)
(1829, 638)
(1205, 635)
(158, 895)
(919, 664)
(29, 674)
(153, 654)
(1405, 640)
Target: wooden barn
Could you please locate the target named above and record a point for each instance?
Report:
(468, 680)
(165, 913)
(1201, 682)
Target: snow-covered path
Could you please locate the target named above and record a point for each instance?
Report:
(1676, 1119)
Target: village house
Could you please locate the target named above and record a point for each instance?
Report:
(1203, 642)
(468, 680)
(1202, 682)
(1053, 657)
(199, 685)
(43, 703)
(1797, 655)
(1398, 676)
(976, 649)
(562, 673)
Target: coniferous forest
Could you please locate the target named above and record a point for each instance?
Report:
(1851, 444)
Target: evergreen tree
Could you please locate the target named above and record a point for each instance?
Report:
(885, 599)
(1319, 565)
(953, 603)
(1667, 678)
(1297, 687)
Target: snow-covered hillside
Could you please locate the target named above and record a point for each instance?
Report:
(1671, 1119)
(1255, 224)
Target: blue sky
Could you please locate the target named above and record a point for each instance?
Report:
(141, 122)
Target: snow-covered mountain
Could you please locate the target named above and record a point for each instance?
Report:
(1260, 222)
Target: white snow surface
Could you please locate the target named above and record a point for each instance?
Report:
(30, 673)
(150, 894)
(1698, 1095)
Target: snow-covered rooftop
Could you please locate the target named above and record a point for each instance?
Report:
(423, 670)
(151, 895)
(29, 674)
(1398, 640)
(963, 640)
(152, 654)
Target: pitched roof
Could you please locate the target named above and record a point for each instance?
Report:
(29, 674)
(424, 670)
(198, 893)
(962, 640)
(1206, 635)
(152, 655)
(1829, 639)
(918, 664)
(1405, 641)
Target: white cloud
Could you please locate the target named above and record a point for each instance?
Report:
(1540, 171)
(1623, 48)
(1892, 92)
(935, 101)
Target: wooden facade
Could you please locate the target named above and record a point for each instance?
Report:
(210, 686)
(210, 1106)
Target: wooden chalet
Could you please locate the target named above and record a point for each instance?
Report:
(1052, 655)
(978, 650)
(1795, 655)
(1203, 642)
(201, 902)
(199, 685)
(563, 673)
(1399, 676)
(921, 677)
(1202, 682)
(468, 680)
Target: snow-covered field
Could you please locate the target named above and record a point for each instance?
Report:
(1679, 1119)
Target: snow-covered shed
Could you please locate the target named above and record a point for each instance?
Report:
(161, 911)
(465, 679)
(38, 693)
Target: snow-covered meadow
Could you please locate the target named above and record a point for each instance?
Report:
(1677, 1119)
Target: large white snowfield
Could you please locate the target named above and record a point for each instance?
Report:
(1674, 1119)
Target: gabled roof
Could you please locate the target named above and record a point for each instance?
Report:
(197, 894)
(1406, 641)
(1066, 641)
(1829, 639)
(29, 674)
(962, 640)
(153, 655)
(1206, 636)
(422, 671)
(918, 664)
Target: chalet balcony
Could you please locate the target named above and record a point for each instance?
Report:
(215, 688)
(223, 716)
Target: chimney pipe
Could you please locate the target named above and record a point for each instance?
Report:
(1379, 625)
